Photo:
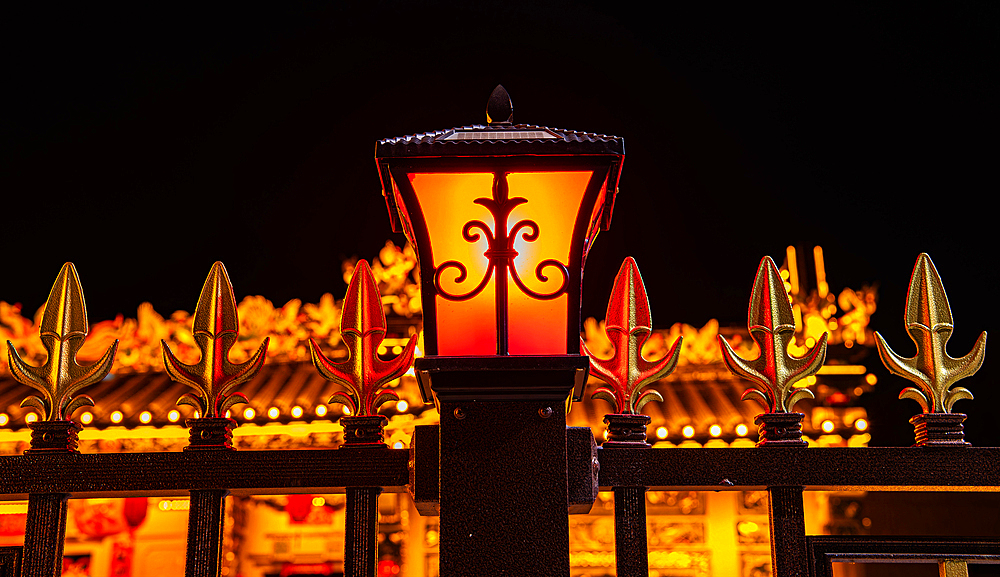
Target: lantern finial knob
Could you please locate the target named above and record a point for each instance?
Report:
(499, 109)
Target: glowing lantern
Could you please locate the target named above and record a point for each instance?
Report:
(502, 217)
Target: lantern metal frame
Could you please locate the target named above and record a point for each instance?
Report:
(501, 148)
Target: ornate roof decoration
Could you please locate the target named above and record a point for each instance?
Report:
(817, 311)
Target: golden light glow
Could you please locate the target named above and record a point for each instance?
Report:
(145, 417)
(747, 528)
(715, 430)
(861, 425)
(174, 505)
(273, 413)
(318, 501)
(822, 289)
(4, 419)
(871, 379)
(174, 415)
(197, 415)
(86, 417)
(321, 411)
(742, 430)
(297, 412)
(661, 432)
(229, 414)
(827, 426)
(346, 409)
(116, 417)
(687, 431)
(249, 413)
(30, 418)
(793, 270)
(841, 370)
(402, 405)
(398, 445)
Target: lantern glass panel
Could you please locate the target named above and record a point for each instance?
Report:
(448, 204)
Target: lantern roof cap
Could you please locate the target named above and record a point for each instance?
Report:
(500, 139)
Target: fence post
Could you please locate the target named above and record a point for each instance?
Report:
(361, 532)
(204, 541)
(789, 554)
(44, 535)
(631, 555)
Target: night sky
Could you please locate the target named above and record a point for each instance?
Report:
(145, 144)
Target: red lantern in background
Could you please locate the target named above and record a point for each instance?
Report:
(299, 507)
(135, 511)
(502, 217)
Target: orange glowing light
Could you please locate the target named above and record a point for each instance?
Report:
(687, 431)
(827, 426)
(116, 417)
(321, 411)
(742, 430)
(249, 413)
(173, 416)
(448, 203)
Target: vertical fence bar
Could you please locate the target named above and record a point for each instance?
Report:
(361, 532)
(44, 535)
(631, 555)
(789, 553)
(204, 540)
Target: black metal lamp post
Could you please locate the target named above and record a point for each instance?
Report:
(502, 216)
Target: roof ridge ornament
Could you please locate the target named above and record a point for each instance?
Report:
(499, 108)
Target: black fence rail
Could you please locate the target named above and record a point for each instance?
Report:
(48, 480)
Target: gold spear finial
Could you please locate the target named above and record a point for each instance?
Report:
(63, 330)
(215, 330)
(629, 324)
(363, 327)
(772, 327)
(929, 324)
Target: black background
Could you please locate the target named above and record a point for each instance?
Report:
(144, 143)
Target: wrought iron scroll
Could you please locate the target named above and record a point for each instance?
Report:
(501, 255)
